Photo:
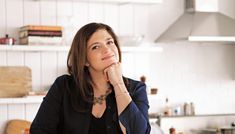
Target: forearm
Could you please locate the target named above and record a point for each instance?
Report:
(134, 120)
(122, 97)
(135, 115)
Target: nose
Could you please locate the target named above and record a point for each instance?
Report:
(105, 49)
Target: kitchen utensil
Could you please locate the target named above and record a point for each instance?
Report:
(15, 81)
(233, 124)
(154, 90)
(7, 40)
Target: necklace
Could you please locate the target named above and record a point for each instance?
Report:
(101, 98)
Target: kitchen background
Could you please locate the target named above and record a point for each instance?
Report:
(202, 73)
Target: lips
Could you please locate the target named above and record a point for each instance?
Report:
(107, 57)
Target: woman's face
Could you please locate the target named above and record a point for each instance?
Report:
(101, 51)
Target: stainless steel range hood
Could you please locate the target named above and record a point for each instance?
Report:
(196, 25)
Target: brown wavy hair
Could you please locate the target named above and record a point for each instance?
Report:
(76, 60)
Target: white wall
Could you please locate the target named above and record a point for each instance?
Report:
(227, 7)
(206, 6)
(126, 19)
(199, 73)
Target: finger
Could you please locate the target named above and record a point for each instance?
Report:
(106, 74)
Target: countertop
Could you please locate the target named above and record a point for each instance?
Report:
(155, 115)
(22, 100)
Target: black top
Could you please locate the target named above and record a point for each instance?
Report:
(57, 116)
(97, 125)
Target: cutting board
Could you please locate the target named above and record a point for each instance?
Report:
(15, 81)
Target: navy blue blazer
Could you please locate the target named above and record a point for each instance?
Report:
(57, 116)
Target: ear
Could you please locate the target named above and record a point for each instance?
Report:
(87, 64)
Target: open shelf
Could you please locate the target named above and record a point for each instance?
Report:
(122, 1)
(22, 100)
(66, 48)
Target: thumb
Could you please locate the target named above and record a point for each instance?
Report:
(106, 74)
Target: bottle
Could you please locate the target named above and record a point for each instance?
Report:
(192, 108)
(187, 109)
(143, 79)
(172, 130)
(167, 109)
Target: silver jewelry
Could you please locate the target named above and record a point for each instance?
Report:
(101, 98)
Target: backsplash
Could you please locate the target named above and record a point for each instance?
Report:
(200, 73)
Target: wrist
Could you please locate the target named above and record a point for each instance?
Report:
(121, 93)
(118, 84)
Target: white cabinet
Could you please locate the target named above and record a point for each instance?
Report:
(18, 108)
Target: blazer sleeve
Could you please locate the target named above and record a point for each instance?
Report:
(48, 116)
(135, 116)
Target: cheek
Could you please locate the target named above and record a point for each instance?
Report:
(92, 58)
(89, 58)
(116, 53)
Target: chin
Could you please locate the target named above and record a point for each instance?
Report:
(110, 63)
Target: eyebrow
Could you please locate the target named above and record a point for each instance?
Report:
(109, 39)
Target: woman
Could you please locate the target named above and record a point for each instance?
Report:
(94, 98)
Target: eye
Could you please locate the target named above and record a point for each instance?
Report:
(94, 47)
(110, 42)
